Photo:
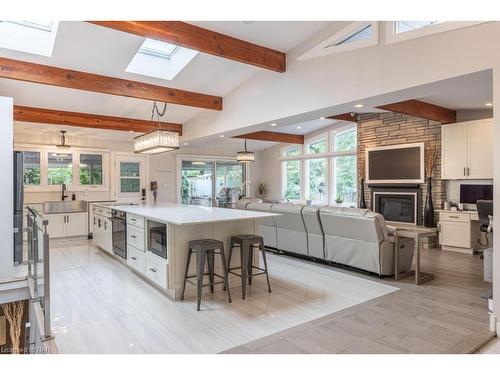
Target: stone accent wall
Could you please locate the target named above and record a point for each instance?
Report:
(388, 128)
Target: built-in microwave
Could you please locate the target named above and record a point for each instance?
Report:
(158, 239)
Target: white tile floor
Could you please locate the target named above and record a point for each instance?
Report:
(100, 306)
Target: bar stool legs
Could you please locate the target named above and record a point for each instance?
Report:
(206, 249)
(247, 244)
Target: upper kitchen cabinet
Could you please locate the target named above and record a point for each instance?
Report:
(467, 150)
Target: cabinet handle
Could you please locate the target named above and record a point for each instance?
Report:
(131, 219)
(454, 217)
(67, 219)
(465, 171)
(133, 236)
(153, 269)
(468, 171)
(105, 225)
(134, 258)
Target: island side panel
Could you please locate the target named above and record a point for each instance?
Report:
(180, 235)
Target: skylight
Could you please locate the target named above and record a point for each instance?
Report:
(365, 33)
(160, 59)
(404, 26)
(35, 37)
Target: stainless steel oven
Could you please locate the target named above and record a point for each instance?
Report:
(119, 228)
(158, 239)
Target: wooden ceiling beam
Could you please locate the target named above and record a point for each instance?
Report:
(50, 75)
(349, 116)
(273, 137)
(422, 109)
(203, 40)
(86, 120)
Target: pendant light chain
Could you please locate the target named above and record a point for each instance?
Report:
(156, 112)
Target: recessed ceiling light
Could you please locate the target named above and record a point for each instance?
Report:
(186, 144)
(299, 127)
(321, 118)
(273, 124)
(130, 131)
(221, 135)
(489, 104)
(358, 105)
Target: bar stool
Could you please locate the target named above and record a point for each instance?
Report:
(247, 243)
(206, 249)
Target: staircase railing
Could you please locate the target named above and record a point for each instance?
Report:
(40, 333)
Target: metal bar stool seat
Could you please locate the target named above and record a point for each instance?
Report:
(246, 244)
(206, 249)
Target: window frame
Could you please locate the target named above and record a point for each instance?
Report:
(305, 155)
(75, 152)
(391, 36)
(327, 46)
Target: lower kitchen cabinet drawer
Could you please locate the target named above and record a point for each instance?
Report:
(156, 272)
(450, 216)
(138, 221)
(136, 259)
(135, 237)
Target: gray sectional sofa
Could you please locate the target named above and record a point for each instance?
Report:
(348, 236)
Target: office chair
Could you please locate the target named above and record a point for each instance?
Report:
(485, 213)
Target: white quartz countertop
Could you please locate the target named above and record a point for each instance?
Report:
(179, 214)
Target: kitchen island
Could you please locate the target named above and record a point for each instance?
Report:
(181, 224)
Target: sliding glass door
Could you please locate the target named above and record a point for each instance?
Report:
(217, 183)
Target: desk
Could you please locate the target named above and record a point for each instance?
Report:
(416, 233)
(458, 230)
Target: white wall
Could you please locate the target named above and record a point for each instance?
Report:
(6, 189)
(316, 86)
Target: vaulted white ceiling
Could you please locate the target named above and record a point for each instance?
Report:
(94, 49)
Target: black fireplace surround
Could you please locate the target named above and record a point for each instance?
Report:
(397, 203)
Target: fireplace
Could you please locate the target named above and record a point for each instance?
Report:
(398, 204)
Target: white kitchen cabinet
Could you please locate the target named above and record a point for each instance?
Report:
(67, 225)
(57, 225)
(103, 233)
(76, 224)
(467, 150)
(457, 230)
(480, 149)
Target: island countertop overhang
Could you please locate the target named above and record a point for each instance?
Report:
(179, 214)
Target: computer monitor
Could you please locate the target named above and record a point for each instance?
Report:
(470, 194)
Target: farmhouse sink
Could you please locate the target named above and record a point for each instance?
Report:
(64, 207)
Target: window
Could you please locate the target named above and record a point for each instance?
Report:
(356, 35)
(160, 59)
(292, 179)
(130, 178)
(366, 32)
(59, 169)
(318, 146)
(35, 37)
(31, 166)
(398, 31)
(317, 180)
(326, 172)
(345, 140)
(292, 151)
(404, 26)
(90, 169)
(345, 180)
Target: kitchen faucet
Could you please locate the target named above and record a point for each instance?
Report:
(63, 190)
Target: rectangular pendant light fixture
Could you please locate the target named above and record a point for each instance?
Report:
(156, 142)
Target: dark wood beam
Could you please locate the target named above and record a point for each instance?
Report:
(273, 137)
(50, 75)
(421, 109)
(203, 40)
(86, 120)
(349, 116)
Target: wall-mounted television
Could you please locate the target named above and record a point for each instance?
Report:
(401, 164)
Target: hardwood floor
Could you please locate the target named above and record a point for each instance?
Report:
(445, 315)
(100, 306)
